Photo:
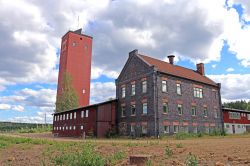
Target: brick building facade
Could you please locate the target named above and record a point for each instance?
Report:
(156, 97)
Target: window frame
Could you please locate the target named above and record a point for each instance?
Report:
(180, 106)
(144, 107)
(123, 92)
(132, 107)
(178, 89)
(132, 89)
(195, 110)
(165, 108)
(164, 86)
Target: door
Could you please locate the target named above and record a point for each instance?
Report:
(233, 127)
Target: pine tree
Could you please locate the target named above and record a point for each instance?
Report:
(68, 98)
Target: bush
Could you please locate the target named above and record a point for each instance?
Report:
(184, 135)
(168, 151)
(179, 145)
(87, 157)
(191, 160)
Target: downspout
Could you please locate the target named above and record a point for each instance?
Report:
(222, 118)
(156, 119)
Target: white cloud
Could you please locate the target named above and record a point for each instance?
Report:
(5, 106)
(214, 66)
(230, 69)
(234, 86)
(101, 92)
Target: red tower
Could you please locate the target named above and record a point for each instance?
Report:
(75, 59)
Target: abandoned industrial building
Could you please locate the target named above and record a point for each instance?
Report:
(153, 97)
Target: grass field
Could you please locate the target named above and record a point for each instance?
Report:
(43, 149)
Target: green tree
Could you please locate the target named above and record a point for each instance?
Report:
(68, 98)
(242, 105)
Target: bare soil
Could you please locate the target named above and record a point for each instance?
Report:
(228, 151)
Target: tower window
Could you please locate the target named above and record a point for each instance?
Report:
(74, 44)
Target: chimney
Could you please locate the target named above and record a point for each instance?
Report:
(134, 52)
(200, 68)
(171, 59)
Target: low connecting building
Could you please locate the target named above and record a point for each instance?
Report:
(236, 121)
(154, 98)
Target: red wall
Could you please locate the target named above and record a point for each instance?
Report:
(101, 119)
(76, 60)
(243, 119)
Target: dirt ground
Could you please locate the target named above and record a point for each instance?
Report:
(228, 151)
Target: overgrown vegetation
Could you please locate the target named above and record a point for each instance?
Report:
(68, 98)
(179, 145)
(191, 160)
(115, 158)
(168, 151)
(13, 127)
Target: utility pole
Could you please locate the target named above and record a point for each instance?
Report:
(45, 119)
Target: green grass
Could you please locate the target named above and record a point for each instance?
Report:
(115, 158)
(179, 145)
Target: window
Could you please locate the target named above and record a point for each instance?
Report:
(74, 127)
(74, 44)
(87, 113)
(166, 129)
(63, 128)
(123, 92)
(132, 89)
(59, 128)
(54, 118)
(132, 128)
(144, 86)
(215, 94)
(248, 116)
(185, 129)
(205, 112)
(81, 127)
(144, 129)
(165, 107)
(57, 118)
(178, 89)
(239, 126)
(227, 126)
(234, 115)
(206, 129)
(176, 129)
(123, 111)
(198, 92)
(193, 111)
(82, 114)
(164, 86)
(66, 127)
(216, 113)
(133, 110)
(195, 129)
(74, 115)
(63, 117)
(70, 127)
(180, 110)
(145, 108)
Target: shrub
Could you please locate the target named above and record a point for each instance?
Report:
(179, 145)
(116, 157)
(184, 135)
(168, 151)
(191, 160)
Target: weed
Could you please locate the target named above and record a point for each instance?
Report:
(179, 145)
(149, 163)
(116, 157)
(191, 160)
(168, 151)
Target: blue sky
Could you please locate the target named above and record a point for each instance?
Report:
(215, 32)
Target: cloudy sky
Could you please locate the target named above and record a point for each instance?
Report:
(215, 32)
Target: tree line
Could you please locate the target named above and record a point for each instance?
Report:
(242, 105)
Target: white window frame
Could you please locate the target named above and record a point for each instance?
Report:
(123, 111)
(74, 115)
(132, 128)
(248, 116)
(74, 127)
(144, 129)
(164, 87)
(194, 111)
(166, 129)
(144, 108)
(205, 112)
(198, 92)
(131, 109)
(123, 92)
(176, 128)
(71, 116)
(82, 114)
(178, 89)
(144, 86)
(179, 106)
(165, 105)
(86, 113)
(132, 89)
